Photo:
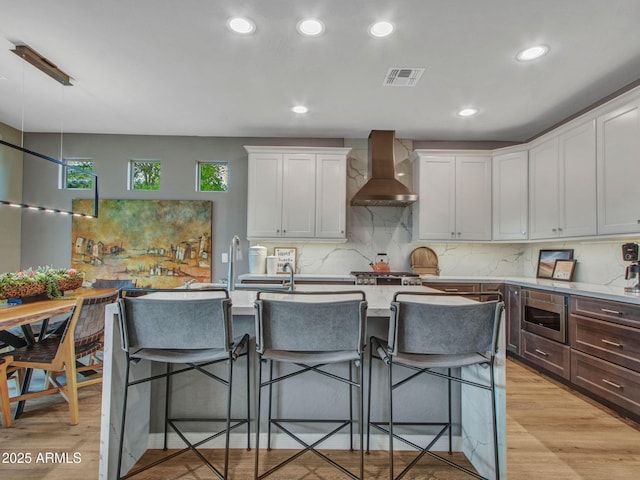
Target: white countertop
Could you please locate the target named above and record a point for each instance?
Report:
(378, 297)
(312, 277)
(607, 292)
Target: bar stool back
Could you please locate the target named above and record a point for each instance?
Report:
(427, 335)
(310, 330)
(194, 329)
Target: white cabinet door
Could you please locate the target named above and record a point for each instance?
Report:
(577, 155)
(544, 185)
(618, 166)
(473, 198)
(510, 196)
(298, 195)
(436, 198)
(331, 196)
(264, 198)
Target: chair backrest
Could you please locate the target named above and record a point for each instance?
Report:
(176, 320)
(311, 321)
(432, 327)
(87, 321)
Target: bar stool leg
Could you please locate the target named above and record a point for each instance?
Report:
(167, 397)
(350, 366)
(228, 424)
(270, 401)
(248, 400)
(390, 421)
(495, 424)
(255, 466)
(361, 416)
(369, 398)
(123, 418)
(449, 401)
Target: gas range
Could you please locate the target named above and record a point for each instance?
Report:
(386, 278)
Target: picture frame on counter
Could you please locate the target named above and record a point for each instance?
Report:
(285, 254)
(547, 261)
(564, 270)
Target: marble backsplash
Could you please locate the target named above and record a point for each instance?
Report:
(373, 230)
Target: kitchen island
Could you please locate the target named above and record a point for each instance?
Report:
(472, 412)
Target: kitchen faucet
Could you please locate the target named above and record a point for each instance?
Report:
(234, 254)
(291, 281)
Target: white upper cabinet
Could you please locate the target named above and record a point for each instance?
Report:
(510, 196)
(454, 196)
(297, 193)
(619, 170)
(562, 185)
(331, 194)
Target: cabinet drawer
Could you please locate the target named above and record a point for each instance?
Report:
(550, 355)
(623, 313)
(612, 342)
(454, 287)
(618, 385)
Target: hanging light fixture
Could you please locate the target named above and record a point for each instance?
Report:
(41, 63)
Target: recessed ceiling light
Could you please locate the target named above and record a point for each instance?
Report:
(241, 25)
(300, 109)
(310, 27)
(467, 112)
(381, 29)
(532, 53)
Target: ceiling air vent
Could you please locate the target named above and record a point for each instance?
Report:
(402, 77)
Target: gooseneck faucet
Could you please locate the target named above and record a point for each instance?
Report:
(234, 254)
(291, 281)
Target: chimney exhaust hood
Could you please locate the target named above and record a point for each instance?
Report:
(383, 189)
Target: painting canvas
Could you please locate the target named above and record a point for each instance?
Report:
(146, 243)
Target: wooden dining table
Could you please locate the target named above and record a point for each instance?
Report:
(27, 314)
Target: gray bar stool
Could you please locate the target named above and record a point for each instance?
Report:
(309, 330)
(194, 329)
(427, 337)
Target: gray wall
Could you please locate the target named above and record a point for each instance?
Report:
(10, 190)
(46, 238)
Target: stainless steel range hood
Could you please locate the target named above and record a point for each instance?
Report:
(383, 189)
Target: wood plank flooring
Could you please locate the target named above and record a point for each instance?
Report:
(552, 433)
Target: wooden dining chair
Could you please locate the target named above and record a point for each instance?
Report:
(4, 390)
(60, 354)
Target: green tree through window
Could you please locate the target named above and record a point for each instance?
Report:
(213, 176)
(146, 175)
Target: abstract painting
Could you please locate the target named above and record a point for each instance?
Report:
(146, 243)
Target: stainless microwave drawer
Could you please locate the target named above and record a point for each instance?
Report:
(610, 341)
(547, 354)
(613, 383)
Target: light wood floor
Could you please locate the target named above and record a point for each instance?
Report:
(552, 433)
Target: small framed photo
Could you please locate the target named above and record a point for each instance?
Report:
(285, 255)
(563, 270)
(547, 260)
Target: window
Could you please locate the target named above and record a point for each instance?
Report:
(213, 177)
(75, 178)
(144, 175)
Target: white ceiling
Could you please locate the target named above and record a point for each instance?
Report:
(167, 67)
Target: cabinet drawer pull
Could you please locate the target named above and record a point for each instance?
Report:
(613, 312)
(613, 344)
(620, 387)
(544, 354)
(450, 289)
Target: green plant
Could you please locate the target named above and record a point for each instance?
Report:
(34, 281)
